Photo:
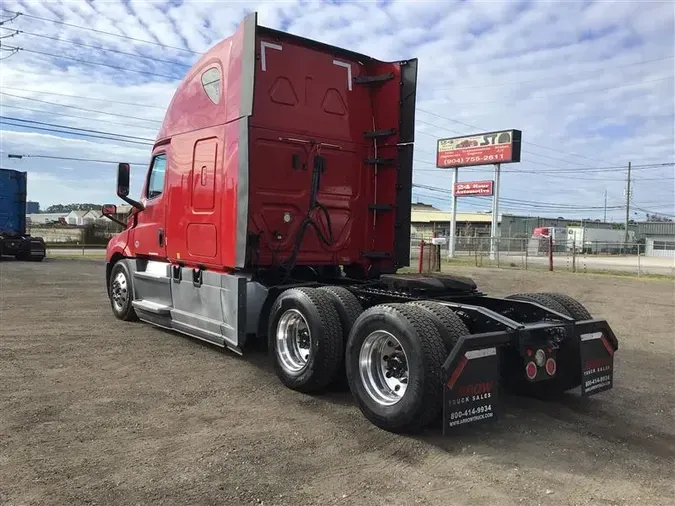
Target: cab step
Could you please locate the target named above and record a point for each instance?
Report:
(152, 307)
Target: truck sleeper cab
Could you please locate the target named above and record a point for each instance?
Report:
(278, 161)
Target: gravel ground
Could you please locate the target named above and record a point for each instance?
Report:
(94, 410)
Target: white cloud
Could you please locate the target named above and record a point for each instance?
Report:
(563, 72)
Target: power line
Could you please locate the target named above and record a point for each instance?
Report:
(529, 203)
(652, 212)
(513, 207)
(508, 83)
(63, 23)
(533, 203)
(554, 176)
(99, 48)
(556, 170)
(83, 98)
(87, 62)
(76, 133)
(80, 108)
(62, 114)
(69, 158)
(539, 97)
(77, 129)
(12, 53)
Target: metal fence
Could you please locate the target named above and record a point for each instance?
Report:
(544, 254)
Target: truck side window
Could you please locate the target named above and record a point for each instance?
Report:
(156, 179)
(211, 84)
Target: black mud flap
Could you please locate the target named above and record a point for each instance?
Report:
(470, 394)
(597, 363)
(597, 346)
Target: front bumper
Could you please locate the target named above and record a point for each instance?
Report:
(472, 370)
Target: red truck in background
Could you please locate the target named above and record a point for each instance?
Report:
(277, 206)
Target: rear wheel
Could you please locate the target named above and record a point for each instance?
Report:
(349, 309)
(449, 325)
(393, 359)
(121, 293)
(543, 299)
(305, 339)
(568, 358)
(573, 307)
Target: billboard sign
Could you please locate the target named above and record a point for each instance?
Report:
(480, 149)
(481, 188)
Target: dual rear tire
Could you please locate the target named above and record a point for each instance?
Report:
(394, 357)
(390, 355)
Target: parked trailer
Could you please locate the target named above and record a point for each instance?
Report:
(599, 240)
(14, 241)
(277, 206)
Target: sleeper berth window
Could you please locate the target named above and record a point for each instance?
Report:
(211, 84)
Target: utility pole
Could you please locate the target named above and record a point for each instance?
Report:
(605, 220)
(627, 205)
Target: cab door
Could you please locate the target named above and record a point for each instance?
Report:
(149, 236)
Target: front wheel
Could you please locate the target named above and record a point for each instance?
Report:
(121, 293)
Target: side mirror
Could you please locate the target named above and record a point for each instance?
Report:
(123, 183)
(109, 211)
(123, 180)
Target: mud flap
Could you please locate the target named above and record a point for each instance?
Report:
(597, 363)
(471, 390)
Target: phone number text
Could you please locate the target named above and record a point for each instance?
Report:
(473, 159)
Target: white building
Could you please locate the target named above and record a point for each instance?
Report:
(76, 217)
(660, 246)
(45, 218)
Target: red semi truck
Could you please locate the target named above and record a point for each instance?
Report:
(277, 206)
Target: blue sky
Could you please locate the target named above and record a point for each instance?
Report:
(590, 84)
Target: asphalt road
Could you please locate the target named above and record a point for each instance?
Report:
(98, 411)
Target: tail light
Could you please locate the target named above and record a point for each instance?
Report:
(551, 366)
(531, 370)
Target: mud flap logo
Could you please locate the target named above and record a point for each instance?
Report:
(470, 394)
(597, 364)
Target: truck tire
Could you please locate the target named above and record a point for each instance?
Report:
(349, 309)
(568, 374)
(305, 339)
(347, 305)
(121, 292)
(573, 307)
(393, 358)
(542, 299)
(449, 325)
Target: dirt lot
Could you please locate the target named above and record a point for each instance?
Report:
(93, 410)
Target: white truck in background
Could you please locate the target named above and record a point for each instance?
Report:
(599, 240)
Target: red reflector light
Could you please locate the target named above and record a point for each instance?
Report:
(531, 370)
(529, 353)
(551, 367)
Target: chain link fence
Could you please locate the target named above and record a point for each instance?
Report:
(545, 254)
(90, 239)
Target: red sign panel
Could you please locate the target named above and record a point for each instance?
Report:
(484, 188)
(481, 149)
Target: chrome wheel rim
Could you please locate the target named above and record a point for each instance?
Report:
(294, 341)
(383, 366)
(119, 291)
